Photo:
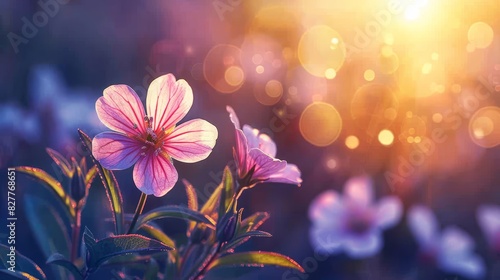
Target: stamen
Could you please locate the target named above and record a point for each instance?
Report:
(143, 147)
(135, 126)
(157, 151)
(143, 154)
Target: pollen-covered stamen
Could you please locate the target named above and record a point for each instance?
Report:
(157, 151)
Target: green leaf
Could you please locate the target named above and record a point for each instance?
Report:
(240, 239)
(157, 234)
(191, 195)
(51, 233)
(257, 258)
(52, 184)
(253, 222)
(60, 260)
(63, 164)
(175, 211)
(109, 247)
(227, 191)
(22, 263)
(211, 205)
(110, 184)
(192, 202)
(6, 274)
(89, 177)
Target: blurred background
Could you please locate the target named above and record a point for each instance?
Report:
(406, 92)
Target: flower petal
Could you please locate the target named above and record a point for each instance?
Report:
(470, 266)
(456, 254)
(168, 101)
(120, 109)
(155, 174)
(388, 212)
(488, 217)
(265, 166)
(240, 153)
(259, 140)
(455, 241)
(289, 175)
(362, 246)
(359, 190)
(326, 210)
(233, 117)
(192, 141)
(325, 240)
(423, 224)
(115, 151)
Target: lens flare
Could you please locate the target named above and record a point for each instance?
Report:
(352, 142)
(484, 127)
(386, 137)
(480, 35)
(222, 68)
(320, 124)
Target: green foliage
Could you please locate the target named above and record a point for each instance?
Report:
(23, 265)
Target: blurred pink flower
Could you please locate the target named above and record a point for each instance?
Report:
(255, 157)
(352, 222)
(151, 141)
(451, 250)
(488, 217)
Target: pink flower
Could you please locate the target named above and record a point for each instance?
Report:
(255, 157)
(352, 222)
(452, 250)
(151, 141)
(488, 217)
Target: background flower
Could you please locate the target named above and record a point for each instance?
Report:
(353, 222)
(452, 250)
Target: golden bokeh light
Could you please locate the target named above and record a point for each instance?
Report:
(321, 48)
(369, 75)
(386, 137)
(234, 76)
(437, 118)
(222, 68)
(413, 128)
(330, 73)
(352, 142)
(320, 124)
(480, 35)
(484, 127)
(274, 89)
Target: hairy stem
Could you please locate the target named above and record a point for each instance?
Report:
(138, 211)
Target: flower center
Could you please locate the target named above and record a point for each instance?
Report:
(153, 140)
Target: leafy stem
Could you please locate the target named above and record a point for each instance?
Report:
(206, 264)
(138, 211)
(76, 233)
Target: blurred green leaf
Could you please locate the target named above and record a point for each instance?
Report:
(63, 164)
(89, 177)
(10, 275)
(60, 260)
(49, 229)
(109, 247)
(52, 184)
(175, 211)
(257, 258)
(110, 184)
(23, 264)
